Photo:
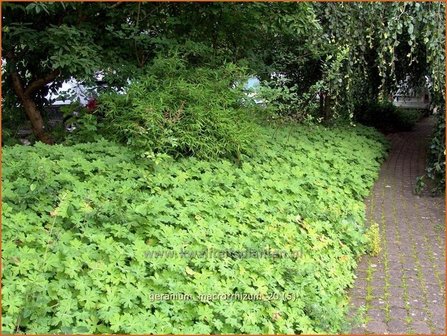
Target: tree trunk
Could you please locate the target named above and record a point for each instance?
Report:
(31, 110)
(36, 119)
(321, 96)
(327, 107)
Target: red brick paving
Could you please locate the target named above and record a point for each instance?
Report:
(402, 290)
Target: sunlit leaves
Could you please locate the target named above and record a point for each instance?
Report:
(80, 250)
(182, 111)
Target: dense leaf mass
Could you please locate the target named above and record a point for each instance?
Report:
(316, 61)
(81, 225)
(181, 111)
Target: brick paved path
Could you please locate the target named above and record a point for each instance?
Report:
(402, 290)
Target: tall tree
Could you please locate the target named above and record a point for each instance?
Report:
(46, 43)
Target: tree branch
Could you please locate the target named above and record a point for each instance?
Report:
(116, 4)
(41, 82)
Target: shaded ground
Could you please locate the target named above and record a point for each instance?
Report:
(402, 290)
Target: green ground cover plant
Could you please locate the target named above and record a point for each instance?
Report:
(80, 222)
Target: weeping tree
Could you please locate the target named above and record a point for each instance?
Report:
(384, 44)
(379, 46)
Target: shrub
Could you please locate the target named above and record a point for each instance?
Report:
(387, 117)
(280, 100)
(436, 154)
(404, 119)
(81, 225)
(285, 101)
(181, 111)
